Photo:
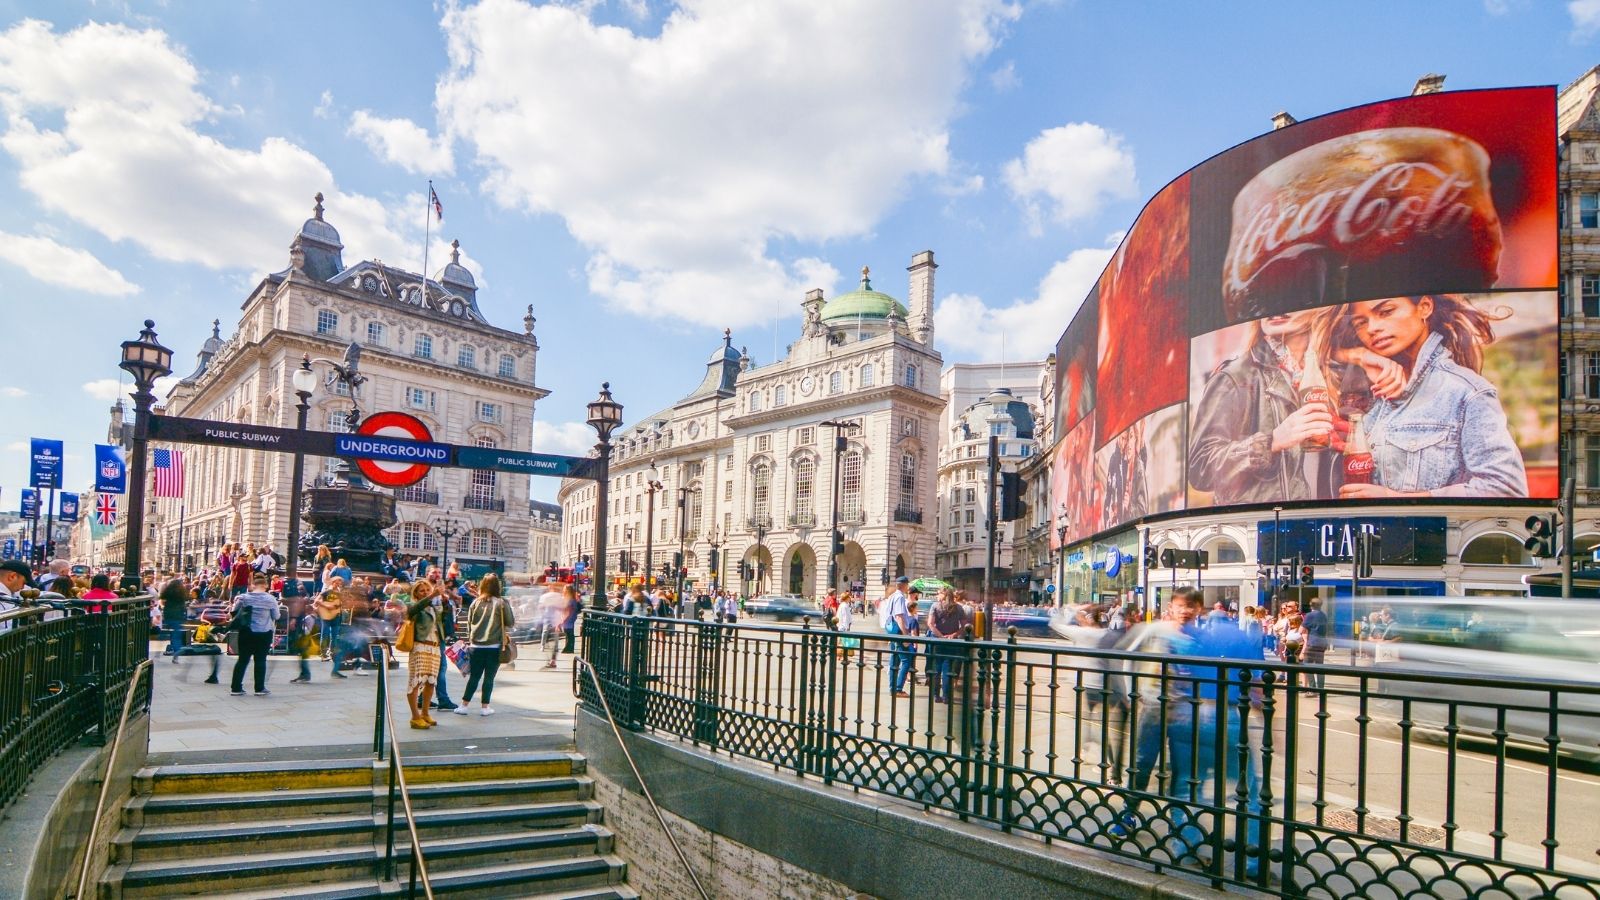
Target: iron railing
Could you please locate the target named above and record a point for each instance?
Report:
(386, 741)
(484, 502)
(64, 676)
(140, 671)
(1287, 786)
(911, 514)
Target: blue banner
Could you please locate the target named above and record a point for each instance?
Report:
(522, 461)
(45, 470)
(110, 470)
(69, 508)
(8, 550)
(27, 549)
(30, 504)
(361, 446)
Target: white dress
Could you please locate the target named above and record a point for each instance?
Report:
(846, 616)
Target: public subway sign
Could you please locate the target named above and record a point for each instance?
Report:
(1402, 540)
(520, 461)
(180, 430)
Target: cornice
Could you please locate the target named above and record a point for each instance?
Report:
(834, 402)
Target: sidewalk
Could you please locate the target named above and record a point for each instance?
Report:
(192, 719)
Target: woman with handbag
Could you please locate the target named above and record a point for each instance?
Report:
(489, 623)
(419, 639)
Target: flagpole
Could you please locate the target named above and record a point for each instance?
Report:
(49, 525)
(183, 507)
(427, 237)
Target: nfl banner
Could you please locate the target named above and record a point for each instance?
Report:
(30, 504)
(46, 468)
(110, 470)
(69, 508)
(8, 550)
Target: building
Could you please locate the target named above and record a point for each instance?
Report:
(743, 476)
(427, 351)
(544, 534)
(980, 400)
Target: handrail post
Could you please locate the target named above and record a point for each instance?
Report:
(383, 701)
(1008, 741)
(638, 656)
(388, 831)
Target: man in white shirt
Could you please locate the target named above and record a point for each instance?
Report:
(552, 609)
(896, 619)
(14, 576)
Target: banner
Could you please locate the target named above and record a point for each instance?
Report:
(30, 504)
(110, 470)
(105, 516)
(69, 508)
(8, 549)
(45, 469)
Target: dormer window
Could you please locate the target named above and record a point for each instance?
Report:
(327, 321)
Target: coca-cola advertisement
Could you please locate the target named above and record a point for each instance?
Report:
(1357, 307)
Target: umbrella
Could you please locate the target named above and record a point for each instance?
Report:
(926, 585)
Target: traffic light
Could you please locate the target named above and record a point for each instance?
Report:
(1542, 543)
(1367, 551)
(715, 559)
(884, 575)
(1307, 575)
(677, 560)
(1010, 496)
(1202, 559)
(1150, 557)
(838, 543)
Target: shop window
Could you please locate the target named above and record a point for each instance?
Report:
(1495, 550)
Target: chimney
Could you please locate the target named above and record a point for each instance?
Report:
(920, 297)
(1428, 84)
(1282, 120)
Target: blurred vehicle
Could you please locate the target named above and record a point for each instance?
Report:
(1498, 637)
(783, 607)
(1030, 621)
(80, 571)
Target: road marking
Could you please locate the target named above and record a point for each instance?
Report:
(1472, 755)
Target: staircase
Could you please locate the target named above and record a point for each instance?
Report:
(491, 825)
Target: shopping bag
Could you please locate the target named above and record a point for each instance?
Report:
(460, 656)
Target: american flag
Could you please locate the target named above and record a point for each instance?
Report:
(438, 208)
(105, 510)
(169, 472)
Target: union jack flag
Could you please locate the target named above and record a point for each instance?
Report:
(169, 472)
(105, 510)
(438, 208)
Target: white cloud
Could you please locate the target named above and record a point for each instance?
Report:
(679, 157)
(68, 267)
(107, 389)
(404, 143)
(324, 107)
(129, 158)
(1067, 173)
(563, 438)
(12, 392)
(1005, 78)
(1585, 18)
(17, 446)
(970, 329)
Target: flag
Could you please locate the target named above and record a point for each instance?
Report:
(110, 470)
(69, 508)
(105, 510)
(46, 469)
(169, 472)
(438, 208)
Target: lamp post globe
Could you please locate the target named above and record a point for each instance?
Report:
(145, 360)
(605, 417)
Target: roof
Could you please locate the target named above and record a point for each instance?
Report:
(863, 303)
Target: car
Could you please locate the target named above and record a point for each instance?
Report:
(80, 571)
(784, 608)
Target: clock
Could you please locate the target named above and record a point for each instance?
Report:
(807, 384)
(694, 429)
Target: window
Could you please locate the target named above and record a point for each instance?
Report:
(908, 481)
(415, 536)
(972, 495)
(327, 321)
(1591, 461)
(1591, 295)
(968, 519)
(483, 480)
(805, 476)
(780, 395)
(836, 382)
(488, 412)
(806, 436)
(375, 334)
(755, 401)
(761, 492)
(419, 398)
(1224, 551)
(997, 429)
(910, 376)
(727, 523)
(850, 487)
(727, 491)
(969, 537)
(467, 357)
(1591, 379)
(1589, 209)
(866, 375)
(764, 443)
(422, 348)
(1561, 210)
(508, 366)
(339, 421)
(1562, 300)
(484, 542)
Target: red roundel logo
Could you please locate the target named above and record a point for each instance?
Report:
(395, 425)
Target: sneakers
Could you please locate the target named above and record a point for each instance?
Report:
(486, 711)
(339, 674)
(298, 680)
(212, 680)
(1124, 825)
(461, 710)
(262, 693)
(549, 665)
(237, 693)
(363, 672)
(444, 706)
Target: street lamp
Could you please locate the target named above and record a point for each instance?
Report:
(145, 360)
(605, 416)
(1061, 555)
(714, 539)
(759, 570)
(446, 531)
(835, 538)
(650, 488)
(305, 382)
(683, 525)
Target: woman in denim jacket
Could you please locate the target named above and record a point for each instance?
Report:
(1249, 423)
(1441, 432)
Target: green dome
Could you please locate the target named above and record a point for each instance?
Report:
(863, 303)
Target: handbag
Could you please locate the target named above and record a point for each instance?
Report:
(406, 638)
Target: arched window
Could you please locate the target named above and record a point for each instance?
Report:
(414, 536)
(805, 477)
(761, 493)
(850, 487)
(484, 542)
(1495, 550)
(1225, 550)
(866, 375)
(899, 565)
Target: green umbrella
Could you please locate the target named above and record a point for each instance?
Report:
(928, 585)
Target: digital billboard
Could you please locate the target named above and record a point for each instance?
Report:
(1357, 307)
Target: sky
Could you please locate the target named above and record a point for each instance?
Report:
(644, 173)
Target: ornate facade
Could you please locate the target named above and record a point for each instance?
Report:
(747, 464)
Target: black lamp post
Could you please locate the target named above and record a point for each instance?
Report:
(145, 360)
(714, 539)
(760, 569)
(835, 538)
(449, 529)
(1061, 556)
(683, 525)
(305, 381)
(605, 416)
(651, 486)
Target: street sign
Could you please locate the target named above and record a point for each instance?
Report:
(179, 430)
(522, 461)
(1049, 589)
(393, 463)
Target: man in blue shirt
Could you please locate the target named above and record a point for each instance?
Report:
(255, 615)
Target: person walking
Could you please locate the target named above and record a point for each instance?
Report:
(254, 615)
(552, 610)
(569, 625)
(174, 612)
(945, 621)
(895, 618)
(422, 662)
(1315, 623)
(330, 610)
(489, 624)
(301, 639)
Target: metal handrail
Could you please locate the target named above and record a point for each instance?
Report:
(639, 777)
(397, 775)
(105, 775)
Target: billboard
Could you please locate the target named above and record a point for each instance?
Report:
(1358, 307)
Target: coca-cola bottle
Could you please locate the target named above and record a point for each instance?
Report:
(1314, 390)
(1358, 464)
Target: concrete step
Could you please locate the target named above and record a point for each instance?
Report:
(294, 775)
(500, 819)
(583, 877)
(201, 877)
(487, 766)
(372, 889)
(457, 794)
(507, 848)
(240, 806)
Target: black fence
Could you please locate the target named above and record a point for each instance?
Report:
(1296, 781)
(63, 676)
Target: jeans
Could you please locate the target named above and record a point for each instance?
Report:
(179, 635)
(939, 670)
(253, 646)
(440, 698)
(332, 630)
(1317, 657)
(900, 664)
(482, 662)
(572, 630)
(1186, 772)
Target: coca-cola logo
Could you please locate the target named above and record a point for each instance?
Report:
(1359, 465)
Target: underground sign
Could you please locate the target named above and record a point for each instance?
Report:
(394, 449)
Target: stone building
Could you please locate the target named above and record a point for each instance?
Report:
(747, 466)
(428, 352)
(544, 534)
(981, 399)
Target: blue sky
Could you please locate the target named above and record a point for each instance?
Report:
(645, 173)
